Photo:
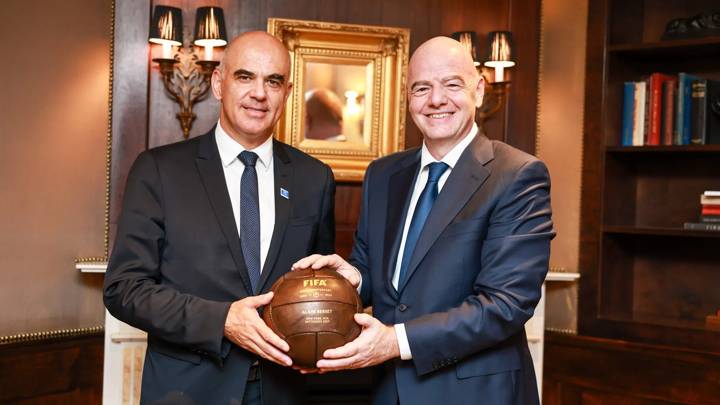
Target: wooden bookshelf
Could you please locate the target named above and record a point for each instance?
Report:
(644, 277)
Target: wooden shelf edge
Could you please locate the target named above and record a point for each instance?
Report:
(667, 44)
(664, 149)
(582, 339)
(654, 321)
(659, 231)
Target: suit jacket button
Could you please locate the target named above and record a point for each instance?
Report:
(402, 307)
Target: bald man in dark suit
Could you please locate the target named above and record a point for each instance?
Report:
(452, 248)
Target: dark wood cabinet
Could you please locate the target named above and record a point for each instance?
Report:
(645, 278)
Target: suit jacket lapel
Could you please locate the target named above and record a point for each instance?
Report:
(400, 184)
(283, 179)
(211, 172)
(466, 177)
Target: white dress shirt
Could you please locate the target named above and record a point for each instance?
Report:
(426, 158)
(233, 169)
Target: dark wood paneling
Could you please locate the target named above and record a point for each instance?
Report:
(347, 210)
(61, 371)
(521, 109)
(592, 165)
(583, 370)
(130, 95)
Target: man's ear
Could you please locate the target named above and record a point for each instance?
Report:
(216, 84)
(480, 92)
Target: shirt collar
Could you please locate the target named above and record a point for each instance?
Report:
(451, 157)
(230, 149)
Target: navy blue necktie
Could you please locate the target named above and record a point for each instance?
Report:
(422, 210)
(250, 217)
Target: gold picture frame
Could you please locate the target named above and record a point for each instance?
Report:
(365, 65)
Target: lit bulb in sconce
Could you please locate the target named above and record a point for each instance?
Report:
(166, 50)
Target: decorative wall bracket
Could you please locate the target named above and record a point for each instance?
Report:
(187, 84)
(494, 99)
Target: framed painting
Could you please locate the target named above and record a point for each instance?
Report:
(348, 105)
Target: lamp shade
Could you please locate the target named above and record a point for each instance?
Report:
(210, 27)
(166, 26)
(499, 49)
(468, 39)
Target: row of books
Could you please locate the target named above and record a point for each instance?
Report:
(671, 110)
(709, 213)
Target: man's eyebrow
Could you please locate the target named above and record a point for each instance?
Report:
(243, 72)
(419, 83)
(277, 76)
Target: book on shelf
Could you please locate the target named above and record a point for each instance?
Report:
(701, 226)
(669, 89)
(710, 210)
(711, 193)
(713, 219)
(628, 112)
(709, 200)
(698, 107)
(713, 112)
(683, 111)
(654, 107)
(639, 114)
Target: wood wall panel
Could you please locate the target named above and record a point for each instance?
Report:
(130, 98)
(520, 118)
(585, 370)
(60, 371)
(592, 165)
(53, 125)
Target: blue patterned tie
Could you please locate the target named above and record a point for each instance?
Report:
(422, 210)
(250, 217)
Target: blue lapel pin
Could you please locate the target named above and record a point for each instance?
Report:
(284, 193)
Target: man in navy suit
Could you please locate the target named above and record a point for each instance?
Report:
(451, 251)
(207, 226)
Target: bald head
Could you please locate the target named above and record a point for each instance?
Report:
(443, 51)
(257, 41)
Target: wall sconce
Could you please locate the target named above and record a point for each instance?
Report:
(186, 77)
(499, 56)
(499, 53)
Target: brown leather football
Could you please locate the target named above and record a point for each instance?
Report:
(312, 310)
